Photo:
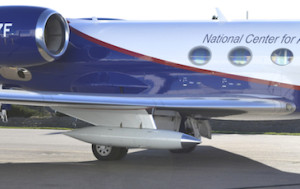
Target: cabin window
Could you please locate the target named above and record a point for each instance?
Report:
(240, 56)
(200, 55)
(282, 57)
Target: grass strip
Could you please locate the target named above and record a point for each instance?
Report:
(254, 133)
(217, 132)
(52, 128)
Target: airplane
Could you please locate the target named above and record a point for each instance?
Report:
(153, 84)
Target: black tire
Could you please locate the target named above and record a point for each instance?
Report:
(183, 151)
(108, 153)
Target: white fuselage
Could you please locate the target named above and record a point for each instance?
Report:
(173, 41)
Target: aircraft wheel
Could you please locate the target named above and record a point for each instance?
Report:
(108, 153)
(183, 151)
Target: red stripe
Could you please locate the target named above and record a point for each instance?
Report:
(164, 62)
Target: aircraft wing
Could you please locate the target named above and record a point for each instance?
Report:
(208, 106)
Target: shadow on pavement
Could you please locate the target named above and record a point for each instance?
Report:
(206, 167)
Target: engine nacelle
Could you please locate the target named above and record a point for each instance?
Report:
(31, 36)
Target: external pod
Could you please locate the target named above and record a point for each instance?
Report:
(134, 138)
(31, 36)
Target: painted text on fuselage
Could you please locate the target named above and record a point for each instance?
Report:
(250, 39)
(5, 28)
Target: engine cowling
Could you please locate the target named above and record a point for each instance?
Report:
(31, 36)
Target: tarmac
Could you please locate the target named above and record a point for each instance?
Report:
(34, 159)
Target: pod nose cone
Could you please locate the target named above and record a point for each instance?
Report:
(188, 141)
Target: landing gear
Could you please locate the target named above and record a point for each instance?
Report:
(3, 114)
(108, 153)
(184, 129)
(193, 127)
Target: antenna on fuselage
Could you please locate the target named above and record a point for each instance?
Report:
(221, 17)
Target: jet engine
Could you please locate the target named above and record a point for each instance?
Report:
(31, 36)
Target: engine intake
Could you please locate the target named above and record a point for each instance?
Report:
(31, 36)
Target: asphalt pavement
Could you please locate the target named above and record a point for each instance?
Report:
(35, 159)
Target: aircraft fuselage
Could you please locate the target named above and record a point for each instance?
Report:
(156, 58)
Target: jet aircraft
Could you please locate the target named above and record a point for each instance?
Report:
(153, 84)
